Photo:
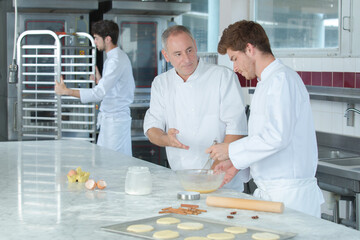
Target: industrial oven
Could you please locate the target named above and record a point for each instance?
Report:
(65, 16)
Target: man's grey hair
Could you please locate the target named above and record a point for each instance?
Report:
(173, 30)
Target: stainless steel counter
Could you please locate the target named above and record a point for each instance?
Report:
(339, 172)
(37, 202)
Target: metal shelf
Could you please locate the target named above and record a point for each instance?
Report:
(348, 95)
(334, 94)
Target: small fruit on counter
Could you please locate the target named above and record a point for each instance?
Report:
(101, 184)
(72, 172)
(90, 184)
(78, 175)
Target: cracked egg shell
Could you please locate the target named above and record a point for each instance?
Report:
(101, 184)
(90, 184)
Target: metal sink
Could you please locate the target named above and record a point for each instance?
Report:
(338, 162)
(338, 172)
(331, 153)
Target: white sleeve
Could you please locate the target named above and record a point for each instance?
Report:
(232, 108)
(111, 75)
(277, 131)
(155, 115)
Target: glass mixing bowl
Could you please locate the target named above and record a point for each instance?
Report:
(200, 180)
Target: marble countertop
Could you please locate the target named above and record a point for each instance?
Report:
(37, 202)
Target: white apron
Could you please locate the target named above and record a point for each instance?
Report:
(115, 133)
(303, 195)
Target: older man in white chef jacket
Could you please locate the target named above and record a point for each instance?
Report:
(281, 148)
(115, 89)
(192, 105)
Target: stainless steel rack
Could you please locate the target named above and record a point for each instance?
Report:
(41, 114)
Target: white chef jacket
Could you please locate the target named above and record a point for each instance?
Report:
(115, 90)
(205, 108)
(281, 148)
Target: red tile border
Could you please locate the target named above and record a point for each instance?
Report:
(316, 78)
(253, 82)
(242, 80)
(338, 79)
(306, 77)
(357, 80)
(349, 79)
(326, 79)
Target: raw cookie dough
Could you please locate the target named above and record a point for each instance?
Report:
(165, 234)
(235, 230)
(221, 236)
(265, 236)
(196, 238)
(190, 226)
(139, 228)
(167, 220)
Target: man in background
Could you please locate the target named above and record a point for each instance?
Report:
(114, 89)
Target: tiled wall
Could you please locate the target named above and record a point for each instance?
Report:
(329, 72)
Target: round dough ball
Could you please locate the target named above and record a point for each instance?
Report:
(168, 220)
(221, 236)
(139, 228)
(165, 234)
(190, 226)
(235, 230)
(196, 238)
(265, 236)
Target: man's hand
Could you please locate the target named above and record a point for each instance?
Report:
(219, 152)
(229, 169)
(60, 87)
(173, 141)
(97, 76)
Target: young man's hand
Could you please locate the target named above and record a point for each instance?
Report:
(60, 87)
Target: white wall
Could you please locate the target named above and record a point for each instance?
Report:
(329, 116)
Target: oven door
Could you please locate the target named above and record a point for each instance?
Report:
(140, 38)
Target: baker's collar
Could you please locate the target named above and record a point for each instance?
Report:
(269, 69)
(111, 52)
(197, 71)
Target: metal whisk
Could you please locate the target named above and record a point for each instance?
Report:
(208, 163)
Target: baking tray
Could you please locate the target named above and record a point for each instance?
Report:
(210, 226)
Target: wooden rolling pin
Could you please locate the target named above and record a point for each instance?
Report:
(247, 204)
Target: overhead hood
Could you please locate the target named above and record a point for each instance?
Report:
(169, 8)
(62, 6)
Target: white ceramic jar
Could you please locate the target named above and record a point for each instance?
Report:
(138, 181)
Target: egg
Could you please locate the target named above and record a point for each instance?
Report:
(72, 172)
(101, 184)
(90, 184)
